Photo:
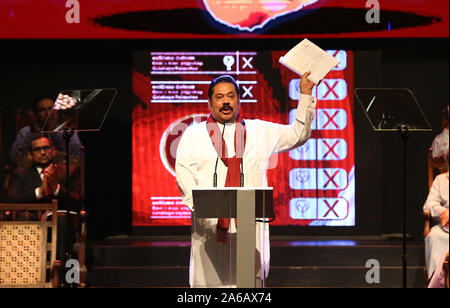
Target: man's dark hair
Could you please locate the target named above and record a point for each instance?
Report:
(223, 78)
(36, 136)
(39, 98)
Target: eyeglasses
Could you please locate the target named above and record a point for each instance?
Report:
(39, 149)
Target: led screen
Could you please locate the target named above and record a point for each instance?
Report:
(223, 18)
(313, 184)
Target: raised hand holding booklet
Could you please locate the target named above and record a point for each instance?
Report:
(306, 56)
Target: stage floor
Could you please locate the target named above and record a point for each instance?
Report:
(296, 261)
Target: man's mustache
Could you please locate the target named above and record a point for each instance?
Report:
(226, 106)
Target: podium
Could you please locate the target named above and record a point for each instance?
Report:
(248, 205)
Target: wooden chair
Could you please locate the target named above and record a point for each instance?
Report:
(446, 270)
(27, 253)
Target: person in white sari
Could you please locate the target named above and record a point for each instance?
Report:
(213, 241)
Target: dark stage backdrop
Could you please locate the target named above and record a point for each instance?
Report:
(33, 67)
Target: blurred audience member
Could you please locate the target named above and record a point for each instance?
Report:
(43, 181)
(42, 107)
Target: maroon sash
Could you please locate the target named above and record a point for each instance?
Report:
(233, 163)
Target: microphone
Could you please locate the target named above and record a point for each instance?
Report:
(242, 149)
(218, 155)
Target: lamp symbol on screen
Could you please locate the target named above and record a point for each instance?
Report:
(303, 149)
(302, 176)
(302, 206)
(228, 61)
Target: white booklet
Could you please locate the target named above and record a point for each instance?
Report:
(306, 56)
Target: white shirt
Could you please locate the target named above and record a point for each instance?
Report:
(437, 200)
(440, 144)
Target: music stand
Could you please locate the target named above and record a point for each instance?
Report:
(394, 110)
(86, 113)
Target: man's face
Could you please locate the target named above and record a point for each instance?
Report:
(224, 103)
(41, 152)
(43, 108)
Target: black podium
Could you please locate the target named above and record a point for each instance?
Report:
(248, 205)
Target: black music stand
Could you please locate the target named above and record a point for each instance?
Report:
(394, 110)
(87, 113)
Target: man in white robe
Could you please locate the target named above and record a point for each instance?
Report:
(436, 242)
(212, 246)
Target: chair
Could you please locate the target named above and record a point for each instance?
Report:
(445, 266)
(436, 166)
(27, 253)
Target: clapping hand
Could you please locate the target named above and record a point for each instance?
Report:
(49, 182)
(64, 102)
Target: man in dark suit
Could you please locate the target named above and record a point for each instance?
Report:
(44, 181)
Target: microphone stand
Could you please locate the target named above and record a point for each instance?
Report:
(67, 135)
(403, 130)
